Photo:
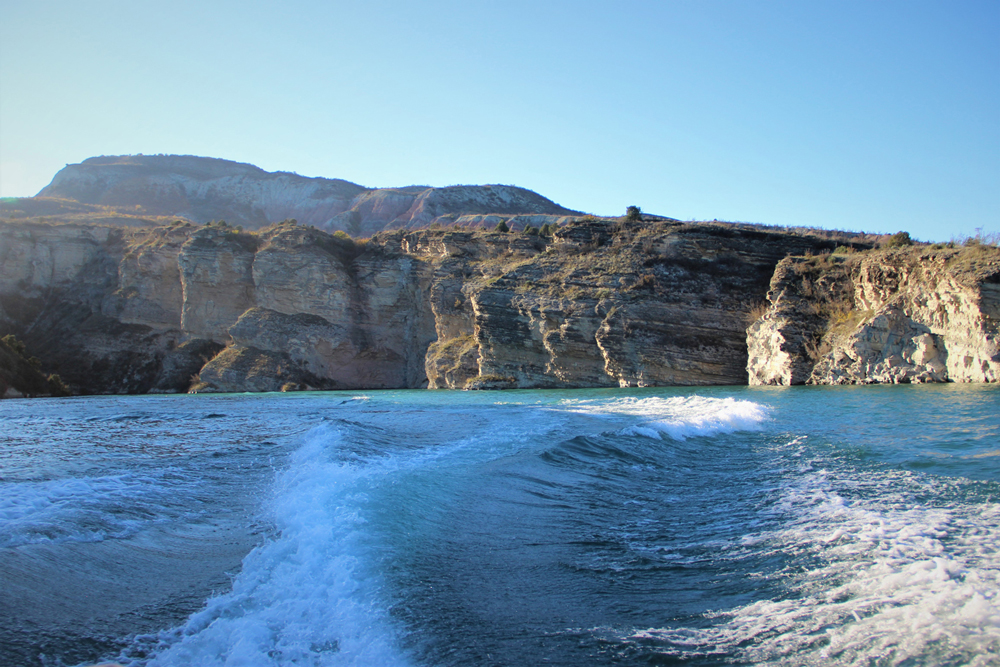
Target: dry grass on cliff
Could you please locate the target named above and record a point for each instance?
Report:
(824, 262)
(975, 259)
(859, 240)
(980, 238)
(58, 211)
(817, 347)
(625, 263)
(757, 310)
(825, 289)
(447, 355)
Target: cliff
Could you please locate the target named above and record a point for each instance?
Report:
(600, 303)
(215, 308)
(143, 188)
(917, 314)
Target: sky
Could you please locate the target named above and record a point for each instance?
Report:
(874, 116)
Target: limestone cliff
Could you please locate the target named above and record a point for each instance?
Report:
(602, 302)
(144, 187)
(887, 316)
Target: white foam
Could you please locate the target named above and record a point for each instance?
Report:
(307, 596)
(88, 509)
(680, 418)
(893, 583)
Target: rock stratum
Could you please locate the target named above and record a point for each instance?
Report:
(149, 189)
(184, 307)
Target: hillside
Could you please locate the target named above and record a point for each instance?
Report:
(202, 189)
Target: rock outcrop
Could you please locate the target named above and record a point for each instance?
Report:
(199, 189)
(888, 316)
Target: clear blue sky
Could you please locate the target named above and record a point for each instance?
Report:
(874, 116)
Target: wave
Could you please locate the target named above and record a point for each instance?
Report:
(306, 596)
(88, 509)
(680, 418)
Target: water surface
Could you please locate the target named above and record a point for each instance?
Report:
(718, 526)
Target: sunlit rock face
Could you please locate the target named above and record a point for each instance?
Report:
(40, 256)
(216, 270)
(890, 316)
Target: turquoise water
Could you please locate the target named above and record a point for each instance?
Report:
(718, 526)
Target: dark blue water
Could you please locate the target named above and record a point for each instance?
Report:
(627, 527)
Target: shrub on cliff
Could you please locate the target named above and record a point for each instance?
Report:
(341, 245)
(56, 385)
(501, 227)
(645, 282)
(899, 240)
(14, 344)
(633, 214)
(21, 373)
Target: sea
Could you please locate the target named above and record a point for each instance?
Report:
(655, 526)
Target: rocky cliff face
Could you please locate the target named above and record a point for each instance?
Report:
(215, 308)
(203, 189)
(59, 289)
(605, 306)
(602, 303)
(889, 316)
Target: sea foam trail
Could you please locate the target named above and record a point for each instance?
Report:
(891, 582)
(306, 596)
(680, 418)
